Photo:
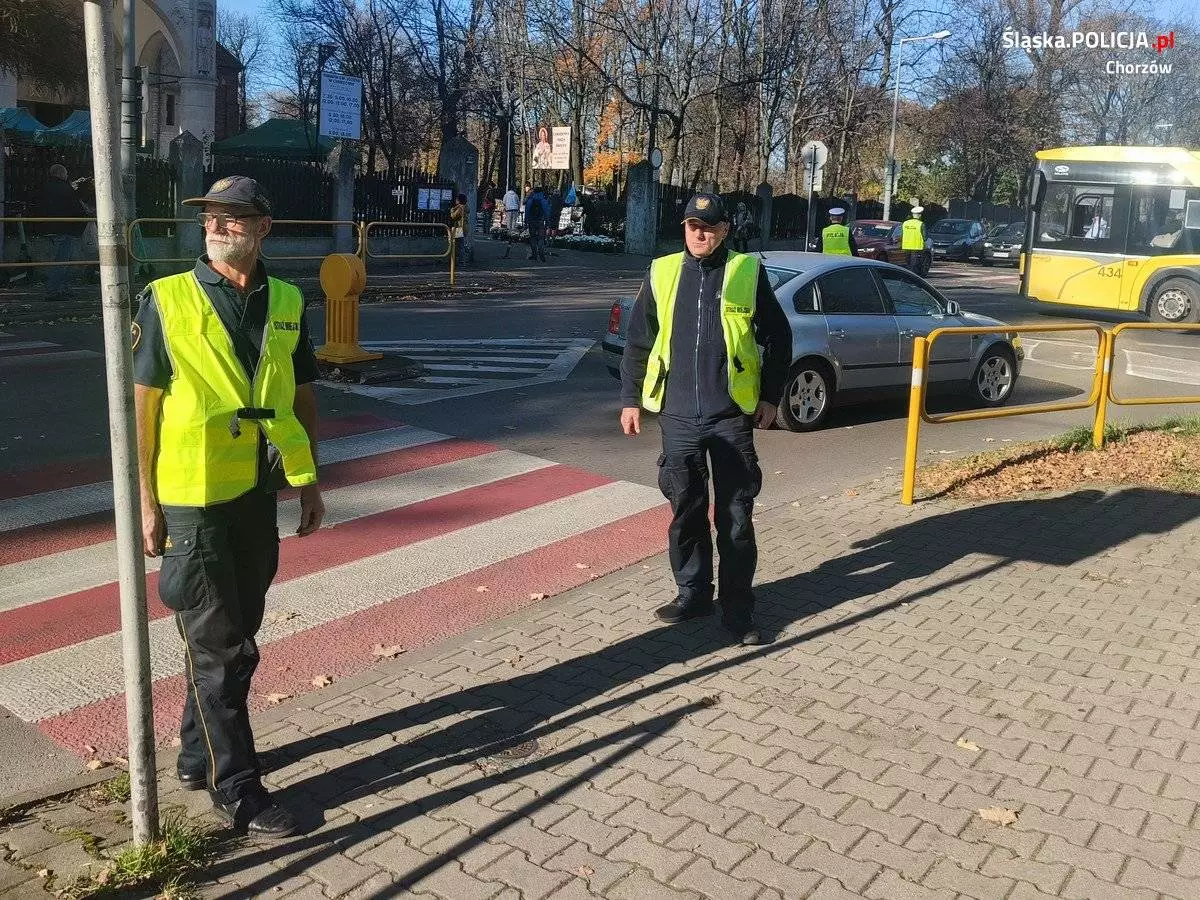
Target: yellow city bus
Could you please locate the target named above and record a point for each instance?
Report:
(1115, 228)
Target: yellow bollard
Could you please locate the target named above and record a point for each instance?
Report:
(343, 278)
(452, 259)
(1104, 364)
(916, 403)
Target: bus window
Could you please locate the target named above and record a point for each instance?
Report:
(1156, 223)
(1085, 217)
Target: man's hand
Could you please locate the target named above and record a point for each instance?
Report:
(154, 530)
(312, 509)
(631, 420)
(764, 416)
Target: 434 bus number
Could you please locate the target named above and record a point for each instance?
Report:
(1109, 271)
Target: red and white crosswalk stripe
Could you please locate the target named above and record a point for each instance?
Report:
(416, 521)
(18, 353)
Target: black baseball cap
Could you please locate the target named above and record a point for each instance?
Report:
(707, 208)
(238, 191)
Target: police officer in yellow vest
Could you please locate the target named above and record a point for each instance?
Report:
(692, 355)
(836, 238)
(912, 239)
(223, 372)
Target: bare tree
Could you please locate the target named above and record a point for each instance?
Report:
(242, 35)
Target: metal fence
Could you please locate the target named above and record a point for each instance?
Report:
(985, 210)
(298, 189)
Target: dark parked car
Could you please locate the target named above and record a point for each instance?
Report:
(956, 239)
(1003, 244)
(880, 239)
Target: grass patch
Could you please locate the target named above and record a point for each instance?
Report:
(1163, 454)
(115, 790)
(165, 865)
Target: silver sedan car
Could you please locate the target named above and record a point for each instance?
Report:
(853, 323)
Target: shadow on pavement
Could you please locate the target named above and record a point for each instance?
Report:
(1056, 532)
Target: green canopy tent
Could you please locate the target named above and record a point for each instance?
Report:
(276, 139)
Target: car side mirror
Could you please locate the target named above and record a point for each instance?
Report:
(952, 308)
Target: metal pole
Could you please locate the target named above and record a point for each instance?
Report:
(129, 114)
(809, 213)
(888, 176)
(916, 405)
(114, 293)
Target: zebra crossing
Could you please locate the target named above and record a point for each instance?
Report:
(463, 368)
(17, 353)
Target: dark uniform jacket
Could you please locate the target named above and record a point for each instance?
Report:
(58, 200)
(698, 381)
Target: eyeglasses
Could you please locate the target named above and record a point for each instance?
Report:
(223, 220)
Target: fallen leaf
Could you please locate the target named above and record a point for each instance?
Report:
(482, 589)
(538, 596)
(513, 660)
(176, 742)
(322, 681)
(43, 873)
(710, 700)
(282, 615)
(94, 764)
(103, 875)
(795, 503)
(779, 472)
(582, 566)
(823, 497)
(851, 493)
(989, 440)
(120, 760)
(276, 699)
(967, 745)
(585, 871)
(390, 652)
(998, 815)
(91, 751)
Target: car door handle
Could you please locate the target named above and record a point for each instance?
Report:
(840, 334)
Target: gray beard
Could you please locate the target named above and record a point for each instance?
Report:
(229, 252)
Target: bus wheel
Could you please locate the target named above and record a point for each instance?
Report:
(1176, 300)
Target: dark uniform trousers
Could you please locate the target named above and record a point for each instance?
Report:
(693, 454)
(215, 576)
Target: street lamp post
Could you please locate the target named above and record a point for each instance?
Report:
(889, 174)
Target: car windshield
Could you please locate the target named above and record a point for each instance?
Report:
(1013, 232)
(951, 226)
(876, 230)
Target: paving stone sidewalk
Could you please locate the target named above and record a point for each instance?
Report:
(1037, 655)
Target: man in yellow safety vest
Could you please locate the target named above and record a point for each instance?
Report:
(692, 356)
(223, 372)
(836, 238)
(912, 239)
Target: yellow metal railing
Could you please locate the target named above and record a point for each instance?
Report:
(448, 252)
(46, 263)
(919, 388)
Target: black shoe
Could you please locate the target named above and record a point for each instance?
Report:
(747, 635)
(680, 610)
(192, 781)
(258, 816)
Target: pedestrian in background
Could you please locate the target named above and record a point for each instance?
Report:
(537, 218)
(512, 206)
(226, 415)
(458, 219)
(743, 224)
(696, 362)
(59, 200)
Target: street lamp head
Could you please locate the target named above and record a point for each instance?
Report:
(940, 35)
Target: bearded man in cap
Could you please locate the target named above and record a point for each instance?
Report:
(692, 355)
(835, 237)
(223, 372)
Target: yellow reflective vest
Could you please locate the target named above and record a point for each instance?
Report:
(835, 239)
(211, 412)
(912, 235)
(738, 302)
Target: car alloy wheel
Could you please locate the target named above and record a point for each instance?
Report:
(807, 397)
(994, 378)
